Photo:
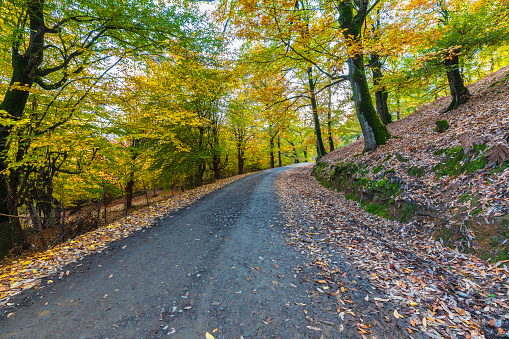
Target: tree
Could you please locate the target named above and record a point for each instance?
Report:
(460, 30)
(51, 45)
(375, 63)
(185, 96)
(352, 16)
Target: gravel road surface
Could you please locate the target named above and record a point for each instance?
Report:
(222, 266)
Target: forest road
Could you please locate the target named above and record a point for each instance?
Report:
(222, 266)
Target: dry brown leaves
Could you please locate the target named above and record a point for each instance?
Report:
(441, 292)
(28, 272)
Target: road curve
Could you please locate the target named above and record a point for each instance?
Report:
(219, 266)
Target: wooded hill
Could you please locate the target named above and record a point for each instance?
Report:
(452, 184)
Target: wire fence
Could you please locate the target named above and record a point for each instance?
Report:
(32, 236)
(31, 231)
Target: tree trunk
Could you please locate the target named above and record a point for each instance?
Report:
(240, 157)
(320, 148)
(374, 131)
(216, 153)
(272, 152)
(129, 191)
(381, 94)
(146, 192)
(199, 175)
(329, 121)
(37, 221)
(399, 109)
(216, 166)
(123, 198)
(459, 92)
(279, 151)
(294, 150)
(24, 67)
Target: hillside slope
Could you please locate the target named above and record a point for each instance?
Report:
(453, 185)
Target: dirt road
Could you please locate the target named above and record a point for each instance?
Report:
(223, 265)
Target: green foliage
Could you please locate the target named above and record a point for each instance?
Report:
(377, 210)
(442, 126)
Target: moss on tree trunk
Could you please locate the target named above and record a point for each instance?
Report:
(381, 94)
(374, 131)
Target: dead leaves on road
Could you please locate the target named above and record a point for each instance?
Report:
(22, 274)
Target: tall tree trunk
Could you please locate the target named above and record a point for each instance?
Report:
(216, 166)
(459, 92)
(200, 170)
(320, 148)
(24, 67)
(329, 120)
(279, 151)
(216, 154)
(129, 186)
(198, 178)
(240, 158)
(272, 151)
(306, 154)
(294, 150)
(133, 149)
(241, 147)
(398, 112)
(381, 94)
(374, 131)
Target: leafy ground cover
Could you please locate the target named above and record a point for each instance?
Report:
(453, 184)
(440, 291)
(27, 272)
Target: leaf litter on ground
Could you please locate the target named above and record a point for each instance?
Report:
(440, 291)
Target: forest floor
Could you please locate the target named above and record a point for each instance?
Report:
(435, 290)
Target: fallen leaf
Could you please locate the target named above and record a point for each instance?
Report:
(314, 328)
